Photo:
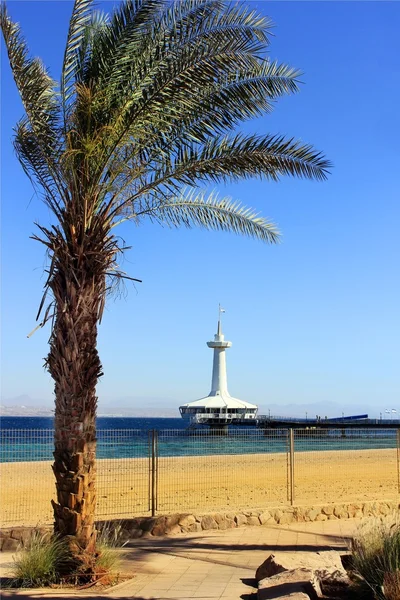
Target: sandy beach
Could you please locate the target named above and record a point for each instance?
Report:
(207, 483)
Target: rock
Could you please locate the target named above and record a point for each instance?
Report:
(146, 524)
(240, 520)
(287, 517)
(340, 512)
(276, 513)
(172, 520)
(311, 514)
(187, 520)
(10, 545)
(264, 517)
(22, 534)
(321, 517)
(253, 521)
(173, 530)
(5, 533)
(295, 584)
(327, 510)
(384, 509)
(299, 514)
(218, 518)
(135, 533)
(358, 514)
(351, 510)
(194, 527)
(208, 522)
(333, 518)
(159, 527)
(324, 564)
(366, 510)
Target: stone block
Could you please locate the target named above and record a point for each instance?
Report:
(312, 514)
(240, 520)
(172, 520)
(276, 513)
(5, 533)
(135, 533)
(194, 527)
(160, 527)
(327, 510)
(10, 545)
(208, 522)
(299, 514)
(340, 512)
(324, 564)
(187, 520)
(295, 584)
(173, 530)
(22, 534)
(147, 523)
(333, 518)
(286, 518)
(218, 518)
(322, 517)
(384, 509)
(253, 521)
(264, 517)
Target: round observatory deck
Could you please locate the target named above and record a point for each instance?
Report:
(219, 408)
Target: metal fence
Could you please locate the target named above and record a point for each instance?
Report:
(156, 472)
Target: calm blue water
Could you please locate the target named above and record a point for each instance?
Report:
(31, 439)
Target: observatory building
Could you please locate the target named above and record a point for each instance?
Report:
(219, 409)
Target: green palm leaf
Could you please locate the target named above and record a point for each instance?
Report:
(76, 34)
(197, 209)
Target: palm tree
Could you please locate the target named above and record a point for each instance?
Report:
(146, 110)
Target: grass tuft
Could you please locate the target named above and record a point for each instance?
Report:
(39, 564)
(376, 557)
(109, 559)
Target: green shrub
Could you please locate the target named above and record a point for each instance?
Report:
(376, 558)
(40, 562)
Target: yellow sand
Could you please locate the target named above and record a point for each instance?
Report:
(206, 483)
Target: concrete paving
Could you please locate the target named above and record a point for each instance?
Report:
(213, 565)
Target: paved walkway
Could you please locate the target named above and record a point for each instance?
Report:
(212, 565)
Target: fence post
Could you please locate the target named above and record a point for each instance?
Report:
(398, 460)
(291, 465)
(154, 472)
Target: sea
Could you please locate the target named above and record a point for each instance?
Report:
(31, 439)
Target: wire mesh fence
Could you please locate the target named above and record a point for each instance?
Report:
(154, 472)
(345, 464)
(246, 468)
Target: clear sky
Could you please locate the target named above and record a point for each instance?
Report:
(313, 320)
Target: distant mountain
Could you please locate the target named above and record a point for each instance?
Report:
(142, 406)
(129, 406)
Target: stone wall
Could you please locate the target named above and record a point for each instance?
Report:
(12, 538)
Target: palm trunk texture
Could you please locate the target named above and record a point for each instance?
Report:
(74, 364)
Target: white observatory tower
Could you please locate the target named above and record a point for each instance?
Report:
(219, 408)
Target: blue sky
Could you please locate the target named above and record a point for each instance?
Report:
(313, 320)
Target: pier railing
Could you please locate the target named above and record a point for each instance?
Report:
(165, 471)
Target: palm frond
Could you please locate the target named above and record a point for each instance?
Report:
(77, 26)
(36, 87)
(182, 53)
(35, 164)
(230, 159)
(197, 209)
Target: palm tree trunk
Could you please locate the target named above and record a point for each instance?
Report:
(74, 364)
